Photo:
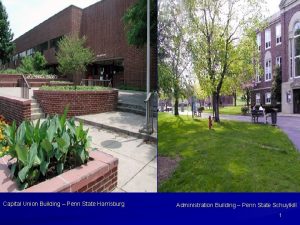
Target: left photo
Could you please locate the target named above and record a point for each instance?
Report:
(78, 102)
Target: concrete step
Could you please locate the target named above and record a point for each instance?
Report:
(36, 116)
(131, 110)
(132, 106)
(36, 110)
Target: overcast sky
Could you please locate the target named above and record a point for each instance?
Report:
(26, 14)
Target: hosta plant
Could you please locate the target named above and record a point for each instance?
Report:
(44, 150)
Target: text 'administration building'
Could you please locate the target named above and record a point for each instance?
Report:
(279, 44)
(103, 26)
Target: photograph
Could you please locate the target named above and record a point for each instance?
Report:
(229, 96)
(78, 100)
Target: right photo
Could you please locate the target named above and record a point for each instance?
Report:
(229, 96)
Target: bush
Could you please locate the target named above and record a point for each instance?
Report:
(45, 150)
(33, 64)
(244, 110)
(3, 141)
(10, 71)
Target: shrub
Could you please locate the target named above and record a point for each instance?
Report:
(244, 110)
(10, 71)
(45, 150)
(33, 64)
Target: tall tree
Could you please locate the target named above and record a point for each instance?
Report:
(135, 20)
(6, 36)
(215, 26)
(172, 48)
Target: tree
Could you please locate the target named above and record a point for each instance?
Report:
(172, 49)
(33, 64)
(215, 26)
(276, 86)
(72, 56)
(6, 36)
(135, 20)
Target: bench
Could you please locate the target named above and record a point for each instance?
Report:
(255, 114)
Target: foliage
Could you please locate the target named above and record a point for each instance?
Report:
(276, 86)
(72, 56)
(244, 110)
(33, 64)
(47, 149)
(215, 28)
(135, 20)
(6, 36)
(3, 141)
(74, 88)
(233, 157)
(10, 71)
(172, 52)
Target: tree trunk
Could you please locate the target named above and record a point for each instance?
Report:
(234, 98)
(248, 97)
(176, 107)
(216, 98)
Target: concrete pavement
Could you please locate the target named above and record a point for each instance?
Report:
(137, 170)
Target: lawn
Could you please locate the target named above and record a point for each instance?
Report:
(228, 110)
(233, 157)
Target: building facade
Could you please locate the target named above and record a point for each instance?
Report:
(102, 25)
(279, 45)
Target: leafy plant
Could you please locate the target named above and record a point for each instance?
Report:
(47, 149)
(244, 110)
(33, 64)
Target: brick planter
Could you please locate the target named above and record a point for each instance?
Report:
(99, 175)
(13, 108)
(81, 102)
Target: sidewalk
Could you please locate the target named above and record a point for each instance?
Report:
(137, 170)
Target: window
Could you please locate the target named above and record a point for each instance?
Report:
(268, 98)
(268, 38)
(258, 78)
(54, 42)
(258, 41)
(22, 54)
(278, 34)
(42, 47)
(268, 70)
(291, 58)
(30, 52)
(257, 98)
(278, 61)
(297, 50)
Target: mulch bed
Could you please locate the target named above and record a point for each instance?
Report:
(167, 166)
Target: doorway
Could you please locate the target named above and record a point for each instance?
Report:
(296, 94)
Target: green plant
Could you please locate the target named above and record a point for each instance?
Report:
(47, 149)
(74, 88)
(33, 64)
(244, 110)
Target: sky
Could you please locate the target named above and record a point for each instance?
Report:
(26, 14)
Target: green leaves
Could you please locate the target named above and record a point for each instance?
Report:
(48, 146)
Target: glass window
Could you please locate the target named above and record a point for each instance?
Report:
(268, 70)
(297, 50)
(297, 29)
(278, 34)
(258, 78)
(268, 98)
(257, 98)
(278, 61)
(268, 38)
(258, 40)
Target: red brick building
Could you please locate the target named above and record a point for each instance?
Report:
(279, 44)
(103, 27)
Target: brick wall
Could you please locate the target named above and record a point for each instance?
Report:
(80, 102)
(17, 109)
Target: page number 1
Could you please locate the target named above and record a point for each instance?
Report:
(280, 215)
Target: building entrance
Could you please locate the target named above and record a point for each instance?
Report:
(296, 94)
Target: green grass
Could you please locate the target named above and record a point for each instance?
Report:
(227, 110)
(74, 88)
(233, 157)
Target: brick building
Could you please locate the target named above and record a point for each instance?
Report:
(103, 27)
(279, 44)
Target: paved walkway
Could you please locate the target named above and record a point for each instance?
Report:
(137, 170)
(132, 97)
(290, 124)
(122, 122)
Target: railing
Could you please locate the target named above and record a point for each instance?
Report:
(25, 87)
(151, 104)
(95, 82)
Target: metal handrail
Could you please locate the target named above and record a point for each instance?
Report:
(25, 87)
(95, 82)
(148, 127)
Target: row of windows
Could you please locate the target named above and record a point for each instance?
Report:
(268, 37)
(268, 69)
(267, 98)
(39, 48)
